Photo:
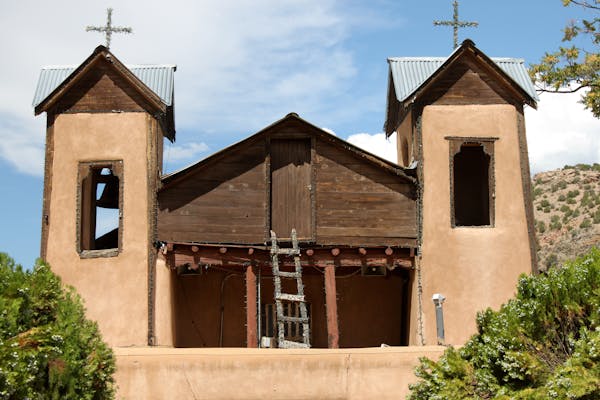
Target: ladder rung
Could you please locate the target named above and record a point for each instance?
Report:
(289, 274)
(290, 252)
(289, 297)
(288, 344)
(285, 318)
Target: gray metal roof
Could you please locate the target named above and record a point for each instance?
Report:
(158, 78)
(409, 73)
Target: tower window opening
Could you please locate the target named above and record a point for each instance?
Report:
(100, 208)
(471, 188)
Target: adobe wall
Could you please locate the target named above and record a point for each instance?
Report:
(229, 374)
(474, 267)
(114, 288)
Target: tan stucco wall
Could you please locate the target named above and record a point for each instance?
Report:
(114, 288)
(229, 374)
(404, 142)
(164, 311)
(474, 267)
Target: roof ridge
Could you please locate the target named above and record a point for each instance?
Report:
(65, 67)
(495, 59)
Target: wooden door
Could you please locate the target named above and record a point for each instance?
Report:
(291, 187)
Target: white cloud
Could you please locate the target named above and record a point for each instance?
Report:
(377, 144)
(561, 132)
(330, 131)
(22, 143)
(241, 65)
(184, 153)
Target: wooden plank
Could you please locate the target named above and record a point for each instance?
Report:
(251, 311)
(365, 241)
(291, 187)
(395, 232)
(333, 334)
(103, 90)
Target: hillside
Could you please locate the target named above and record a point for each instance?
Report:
(566, 206)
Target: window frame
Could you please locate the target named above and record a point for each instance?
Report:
(85, 170)
(487, 143)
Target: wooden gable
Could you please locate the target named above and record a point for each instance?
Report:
(290, 175)
(103, 84)
(469, 81)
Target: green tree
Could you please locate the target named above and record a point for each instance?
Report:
(48, 349)
(543, 344)
(575, 66)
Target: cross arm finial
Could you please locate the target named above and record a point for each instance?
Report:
(108, 30)
(456, 23)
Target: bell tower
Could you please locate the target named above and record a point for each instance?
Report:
(460, 124)
(105, 129)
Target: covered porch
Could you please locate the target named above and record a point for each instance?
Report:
(223, 295)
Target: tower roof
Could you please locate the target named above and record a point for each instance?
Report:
(158, 78)
(150, 84)
(409, 76)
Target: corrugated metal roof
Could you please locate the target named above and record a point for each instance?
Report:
(159, 78)
(409, 73)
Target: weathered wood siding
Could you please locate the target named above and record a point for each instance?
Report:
(329, 193)
(291, 187)
(360, 204)
(102, 89)
(468, 83)
(225, 202)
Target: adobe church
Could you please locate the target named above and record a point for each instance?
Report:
(293, 262)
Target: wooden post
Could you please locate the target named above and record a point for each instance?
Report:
(251, 328)
(333, 334)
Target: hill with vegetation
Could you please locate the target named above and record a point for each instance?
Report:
(566, 206)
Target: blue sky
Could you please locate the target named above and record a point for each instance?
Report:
(244, 64)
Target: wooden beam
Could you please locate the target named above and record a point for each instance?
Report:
(333, 334)
(251, 326)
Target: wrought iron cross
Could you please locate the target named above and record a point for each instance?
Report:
(108, 29)
(456, 23)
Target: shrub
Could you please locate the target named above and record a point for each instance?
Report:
(541, 226)
(543, 344)
(48, 349)
(586, 223)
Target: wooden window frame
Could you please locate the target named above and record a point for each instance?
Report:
(85, 170)
(487, 143)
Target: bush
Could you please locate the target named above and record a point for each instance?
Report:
(541, 226)
(48, 349)
(543, 344)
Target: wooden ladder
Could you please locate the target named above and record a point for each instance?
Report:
(297, 298)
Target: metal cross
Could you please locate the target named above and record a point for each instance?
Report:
(108, 29)
(455, 23)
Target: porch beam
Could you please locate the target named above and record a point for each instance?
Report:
(333, 334)
(251, 326)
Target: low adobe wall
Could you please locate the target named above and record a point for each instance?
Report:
(236, 373)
